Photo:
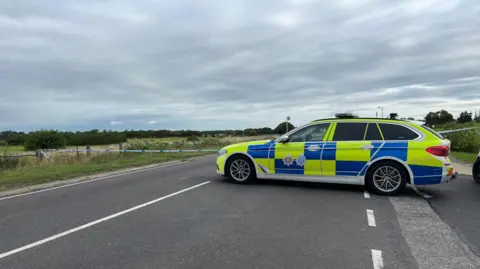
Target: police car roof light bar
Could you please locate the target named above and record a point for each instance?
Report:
(345, 116)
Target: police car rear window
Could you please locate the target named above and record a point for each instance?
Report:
(397, 132)
(433, 131)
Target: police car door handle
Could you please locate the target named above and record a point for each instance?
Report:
(313, 148)
(367, 147)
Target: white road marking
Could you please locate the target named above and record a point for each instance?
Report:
(97, 179)
(43, 241)
(371, 218)
(377, 259)
(366, 194)
(182, 178)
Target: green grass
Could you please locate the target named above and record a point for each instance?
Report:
(64, 167)
(60, 166)
(465, 157)
(11, 149)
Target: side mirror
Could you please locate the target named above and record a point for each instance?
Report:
(283, 139)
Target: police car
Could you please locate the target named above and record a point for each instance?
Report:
(382, 154)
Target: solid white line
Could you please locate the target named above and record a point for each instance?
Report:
(43, 241)
(377, 259)
(97, 179)
(366, 194)
(371, 218)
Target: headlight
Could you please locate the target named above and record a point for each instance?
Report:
(222, 152)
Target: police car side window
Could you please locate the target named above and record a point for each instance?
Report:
(397, 132)
(372, 132)
(350, 131)
(311, 133)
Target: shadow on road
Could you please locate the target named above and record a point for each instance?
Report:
(298, 184)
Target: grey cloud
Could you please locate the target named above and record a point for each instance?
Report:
(232, 63)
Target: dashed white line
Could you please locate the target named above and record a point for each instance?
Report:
(182, 178)
(371, 218)
(377, 259)
(43, 241)
(366, 194)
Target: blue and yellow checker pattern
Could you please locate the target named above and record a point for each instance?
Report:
(343, 158)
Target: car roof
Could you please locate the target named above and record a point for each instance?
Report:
(366, 119)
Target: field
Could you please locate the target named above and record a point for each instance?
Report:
(169, 142)
(24, 171)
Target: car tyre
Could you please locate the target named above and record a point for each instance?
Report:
(240, 169)
(387, 178)
(476, 171)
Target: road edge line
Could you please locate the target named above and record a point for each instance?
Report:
(84, 226)
(58, 184)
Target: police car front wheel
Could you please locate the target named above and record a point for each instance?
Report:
(387, 178)
(240, 169)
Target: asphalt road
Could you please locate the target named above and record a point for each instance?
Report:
(458, 204)
(186, 216)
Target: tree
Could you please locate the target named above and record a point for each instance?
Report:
(45, 139)
(438, 117)
(193, 139)
(281, 128)
(465, 117)
(477, 117)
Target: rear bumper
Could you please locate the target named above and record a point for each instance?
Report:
(449, 175)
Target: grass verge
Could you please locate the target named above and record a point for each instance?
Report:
(465, 157)
(65, 167)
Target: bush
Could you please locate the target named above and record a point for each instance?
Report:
(44, 140)
(9, 162)
(465, 141)
(146, 145)
(3, 143)
(93, 138)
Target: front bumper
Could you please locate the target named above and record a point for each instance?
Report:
(220, 165)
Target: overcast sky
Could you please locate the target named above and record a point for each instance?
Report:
(221, 64)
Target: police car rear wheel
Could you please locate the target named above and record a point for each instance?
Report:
(387, 178)
(241, 169)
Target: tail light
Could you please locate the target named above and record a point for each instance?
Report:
(441, 151)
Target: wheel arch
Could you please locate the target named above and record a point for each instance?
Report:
(389, 158)
(239, 154)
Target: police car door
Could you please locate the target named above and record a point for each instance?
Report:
(346, 155)
(300, 155)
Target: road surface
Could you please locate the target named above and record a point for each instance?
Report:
(187, 216)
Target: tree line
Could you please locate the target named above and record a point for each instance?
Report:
(444, 117)
(53, 139)
(58, 139)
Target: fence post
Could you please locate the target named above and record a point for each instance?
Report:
(39, 155)
(88, 150)
(120, 147)
(78, 154)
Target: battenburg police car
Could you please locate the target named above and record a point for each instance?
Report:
(382, 154)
